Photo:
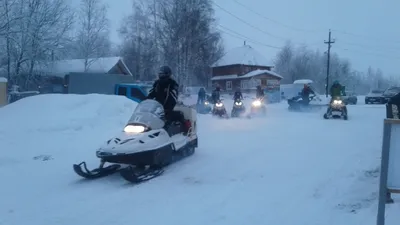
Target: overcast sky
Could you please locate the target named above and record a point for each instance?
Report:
(366, 31)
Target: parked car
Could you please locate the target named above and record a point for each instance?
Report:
(375, 96)
(350, 98)
(390, 92)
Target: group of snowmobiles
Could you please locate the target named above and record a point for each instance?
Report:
(337, 108)
(218, 109)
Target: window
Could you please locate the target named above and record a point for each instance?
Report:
(122, 91)
(229, 85)
(137, 93)
(244, 84)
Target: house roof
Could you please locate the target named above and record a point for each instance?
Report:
(243, 55)
(247, 75)
(100, 65)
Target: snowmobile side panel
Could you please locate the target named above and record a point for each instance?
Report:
(140, 158)
(136, 175)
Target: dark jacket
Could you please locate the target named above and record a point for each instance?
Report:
(202, 94)
(215, 96)
(165, 91)
(306, 92)
(260, 93)
(237, 95)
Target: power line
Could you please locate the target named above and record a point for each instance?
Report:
(249, 24)
(247, 38)
(275, 21)
(364, 36)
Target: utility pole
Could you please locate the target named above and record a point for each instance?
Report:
(329, 42)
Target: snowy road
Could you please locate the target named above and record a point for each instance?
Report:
(288, 168)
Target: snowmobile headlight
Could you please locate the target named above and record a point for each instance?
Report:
(257, 103)
(219, 104)
(238, 103)
(337, 102)
(134, 129)
(206, 103)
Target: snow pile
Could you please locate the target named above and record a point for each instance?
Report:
(243, 55)
(39, 122)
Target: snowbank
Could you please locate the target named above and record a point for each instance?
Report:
(3, 80)
(42, 122)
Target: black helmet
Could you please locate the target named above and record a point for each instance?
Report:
(164, 72)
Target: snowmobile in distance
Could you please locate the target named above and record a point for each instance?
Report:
(337, 109)
(204, 107)
(219, 109)
(147, 144)
(297, 104)
(238, 108)
(258, 107)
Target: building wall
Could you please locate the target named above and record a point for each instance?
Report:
(87, 83)
(235, 83)
(226, 70)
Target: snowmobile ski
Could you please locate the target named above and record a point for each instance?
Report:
(82, 170)
(135, 175)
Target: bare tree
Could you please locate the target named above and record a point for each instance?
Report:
(303, 63)
(36, 29)
(189, 40)
(93, 36)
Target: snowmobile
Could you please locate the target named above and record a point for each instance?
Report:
(238, 108)
(337, 109)
(147, 144)
(258, 107)
(297, 104)
(204, 107)
(219, 109)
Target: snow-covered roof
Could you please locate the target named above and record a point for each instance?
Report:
(247, 75)
(62, 67)
(3, 80)
(244, 55)
(303, 81)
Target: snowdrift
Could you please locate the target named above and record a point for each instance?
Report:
(46, 122)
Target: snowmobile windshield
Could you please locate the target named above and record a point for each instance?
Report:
(149, 113)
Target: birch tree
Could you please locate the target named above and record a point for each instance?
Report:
(93, 33)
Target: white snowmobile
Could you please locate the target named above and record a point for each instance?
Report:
(147, 144)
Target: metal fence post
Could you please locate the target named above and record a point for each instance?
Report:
(384, 195)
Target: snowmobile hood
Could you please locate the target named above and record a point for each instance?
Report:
(126, 143)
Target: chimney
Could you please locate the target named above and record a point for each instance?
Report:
(244, 43)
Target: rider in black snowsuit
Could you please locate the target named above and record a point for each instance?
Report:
(259, 92)
(305, 94)
(201, 96)
(237, 95)
(165, 91)
(215, 96)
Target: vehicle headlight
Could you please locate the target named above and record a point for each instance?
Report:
(337, 102)
(238, 103)
(257, 103)
(219, 104)
(134, 129)
(206, 103)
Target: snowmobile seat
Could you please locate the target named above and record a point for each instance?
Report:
(189, 114)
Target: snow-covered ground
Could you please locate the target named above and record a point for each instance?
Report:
(288, 168)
